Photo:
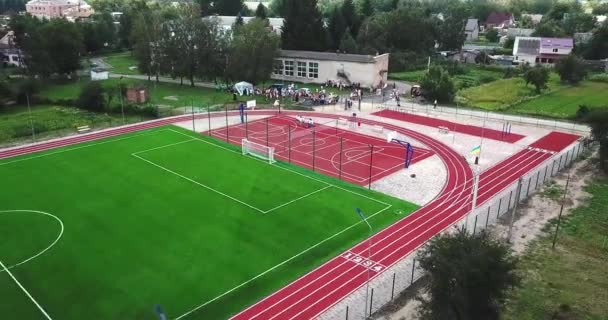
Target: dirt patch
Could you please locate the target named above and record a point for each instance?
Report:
(532, 217)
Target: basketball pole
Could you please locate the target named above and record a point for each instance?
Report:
(371, 161)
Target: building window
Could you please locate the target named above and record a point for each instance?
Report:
(554, 50)
(313, 70)
(289, 68)
(301, 69)
(278, 67)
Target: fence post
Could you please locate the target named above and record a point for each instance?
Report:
(413, 266)
(267, 144)
(488, 217)
(340, 162)
(393, 289)
(561, 210)
(209, 120)
(545, 176)
(227, 134)
(517, 198)
(289, 144)
(499, 205)
(475, 225)
(313, 150)
(510, 198)
(537, 177)
(528, 190)
(371, 160)
(371, 302)
(346, 313)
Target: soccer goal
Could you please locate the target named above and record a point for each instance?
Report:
(258, 150)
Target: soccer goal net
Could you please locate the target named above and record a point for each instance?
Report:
(258, 150)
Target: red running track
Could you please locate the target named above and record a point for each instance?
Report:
(555, 141)
(462, 128)
(334, 152)
(325, 286)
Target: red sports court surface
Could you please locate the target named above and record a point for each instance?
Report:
(324, 148)
(457, 127)
(555, 141)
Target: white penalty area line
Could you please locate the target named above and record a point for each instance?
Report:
(25, 291)
(279, 265)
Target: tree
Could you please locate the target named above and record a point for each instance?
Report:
(99, 33)
(252, 53)
(537, 76)
(348, 43)
(571, 69)
(303, 27)
(336, 27)
(63, 44)
(578, 22)
(437, 85)
(278, 8)
(260, 11)
(366, 8)
(228, 7)
(351, 18)
(145, 37)
(598, 48)
(469, 276)
(92, 97)
(492, 35)
(451, 29)
(598, 121)
(550, 29)
(601, 9)
(526, 22)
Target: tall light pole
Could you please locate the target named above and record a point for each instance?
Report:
(122, 105)
(369, 257)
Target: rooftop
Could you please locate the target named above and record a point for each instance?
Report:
(327, 56)
(557, 43)
(499, 17)
(472, 24)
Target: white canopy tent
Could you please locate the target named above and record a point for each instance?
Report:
(244, 88)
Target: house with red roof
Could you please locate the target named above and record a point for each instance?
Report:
(500, 20)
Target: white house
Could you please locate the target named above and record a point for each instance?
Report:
(471, 29)
(98, 74)
(226, 22)
(11, 57)
(319, 67)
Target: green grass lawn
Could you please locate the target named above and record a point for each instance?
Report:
(498, 94)
(50, 120)
(122, 63)
(168, 217)
(473, 76)
(564, 102)
(570, 282)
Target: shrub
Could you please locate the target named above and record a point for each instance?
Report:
(582, 112)
(571, 69)
(486, 78)
(25, 88)
(92, 97)
(602, 77)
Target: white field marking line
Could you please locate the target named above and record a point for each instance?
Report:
(441, 149)
(344, 173)
(47, 248)
(25, 291)
(165, 146)
(296, 199)
(85, 146)
(279, 265)
(287, 169)
(198, 183)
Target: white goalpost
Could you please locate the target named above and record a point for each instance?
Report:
(258, 150)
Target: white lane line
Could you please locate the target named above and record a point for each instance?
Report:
(296, 199)
(25, 291)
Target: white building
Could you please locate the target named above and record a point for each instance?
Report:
(98, 74)
(537, 50)
(319, 67)
(69, 9)
(226, 22)
(471, 29)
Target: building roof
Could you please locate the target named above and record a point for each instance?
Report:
(327, 56)
(527, 45)
(228, 21)
(557, 43)
(471, 25)
(514, 32)
(499, 17)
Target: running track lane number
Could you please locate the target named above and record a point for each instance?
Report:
(363, 261)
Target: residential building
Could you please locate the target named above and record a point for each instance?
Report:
(11, 57)
(471, 29)
(582, 38)
(69, 9)
(226, 22)
(536, 50)
(320, 67)
(500, 20)
(98, 74)
(519, 32)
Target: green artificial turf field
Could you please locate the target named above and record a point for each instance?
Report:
(168, 217)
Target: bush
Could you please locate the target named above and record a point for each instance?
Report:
(437, 84)
(582, 112)
(92, 97)
(407, 61)
(486, 78)
(27, 88)
(492, 35)
(602, 77)
(571, 69)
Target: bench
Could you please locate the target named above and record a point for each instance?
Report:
(378, 128)
(342, 121)
(83, 129)
(443, 129)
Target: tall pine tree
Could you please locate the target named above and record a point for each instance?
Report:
(366, 9)
(228, 7)
(261, 12)
(303, 27)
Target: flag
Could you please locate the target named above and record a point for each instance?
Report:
(476, 150)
